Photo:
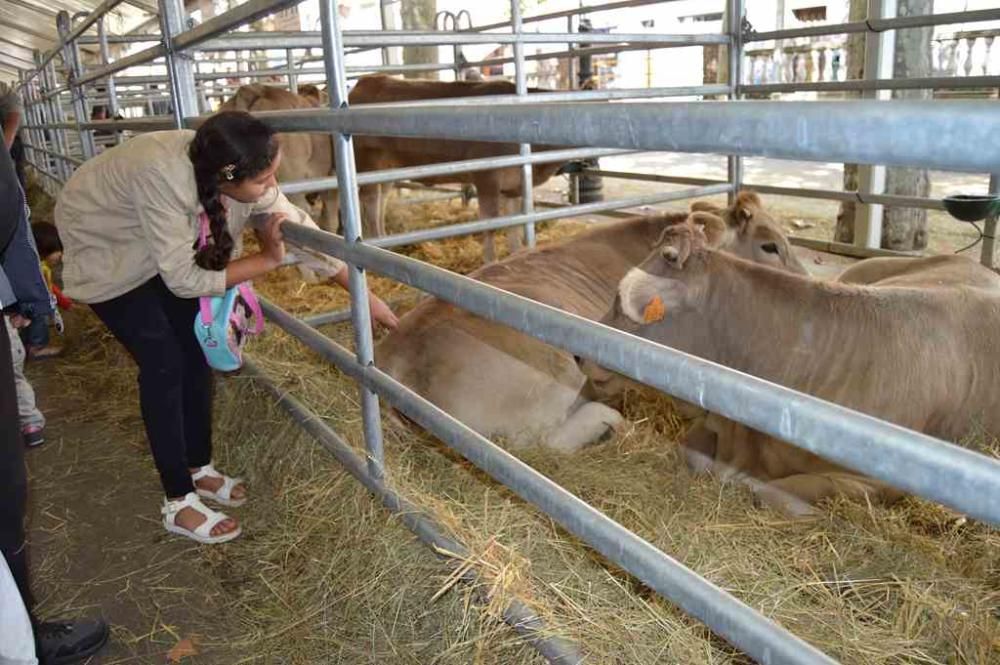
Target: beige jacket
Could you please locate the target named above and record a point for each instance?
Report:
(131, 213)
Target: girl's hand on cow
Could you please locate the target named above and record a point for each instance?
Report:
(381, 313)
(272, 246)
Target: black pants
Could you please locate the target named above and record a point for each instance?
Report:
(175, 381)
(13, 477)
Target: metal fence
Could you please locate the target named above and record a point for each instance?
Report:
(945, 135)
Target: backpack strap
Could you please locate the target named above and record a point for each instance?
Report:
(251, 300)
(204, 304)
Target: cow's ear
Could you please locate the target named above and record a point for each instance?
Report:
(646, 298)
(713, 226)
(746, 206)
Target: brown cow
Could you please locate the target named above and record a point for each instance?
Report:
(305, 155)
(494, 188)
(505, 384)
(914, 345)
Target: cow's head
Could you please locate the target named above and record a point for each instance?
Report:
(655, 290)
(752, 233)
(674, 276)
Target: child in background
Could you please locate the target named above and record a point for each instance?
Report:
(36, 335)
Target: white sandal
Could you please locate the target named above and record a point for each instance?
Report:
(203, 532)
(223, 495)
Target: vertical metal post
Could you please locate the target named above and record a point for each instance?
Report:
(391, 55)
(102, 38)
(521, 87)
(28, 103)
(59, 116)
(71, 58)
(180, 67)
(293, 79)
(990, 228)
(350, 209)
(734, 25)
(880, 50)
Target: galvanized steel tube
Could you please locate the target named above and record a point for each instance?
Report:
(945, 135)
(350, 212)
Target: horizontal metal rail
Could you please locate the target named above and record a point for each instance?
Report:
(910, 461)
(72, 160)
(876, 25)
(261, 40)
(727, 616)
(518, 615)
(90, 19)
(943, 135)
(830, 194)
(936, 83)
(497, 223)
(588, 9)
(847, 249)
(449, 168)
(240, 15)
(139, 58)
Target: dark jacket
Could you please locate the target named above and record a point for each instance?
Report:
(22, 287)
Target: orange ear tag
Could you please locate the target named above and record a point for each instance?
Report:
(655, 310)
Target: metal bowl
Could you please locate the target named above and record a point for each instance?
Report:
(972, 207)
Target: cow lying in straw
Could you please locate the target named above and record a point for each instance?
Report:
(910, 341)
(509, 385)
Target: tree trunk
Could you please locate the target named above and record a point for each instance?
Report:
(419, 15)
(855, 56)
(906, 228)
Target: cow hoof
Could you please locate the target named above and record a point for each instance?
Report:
(785, 503)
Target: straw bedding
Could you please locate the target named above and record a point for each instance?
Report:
(323, 574)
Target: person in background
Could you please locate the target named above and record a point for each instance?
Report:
(10, 120)
(55, 642)
(36, 336)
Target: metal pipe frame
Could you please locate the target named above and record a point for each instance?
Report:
(828, 194)
(517, 615)
(72, 35)
(448, 168)
(876, 24)
(734, 52)
(521, 86)
(589, 9)
(180, 67)
(55, 155)
(988, 257)
(861, 85)
(497, 223)
(112, 93)
(71, 56)
(941, 135)
(727, 616)
(350, 214)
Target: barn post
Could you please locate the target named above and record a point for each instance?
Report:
(521, 87)
(879, 58)
(293, 79)
(102, 38)
(180, 66)
(990, 229)
(350, 215)
(71, 57)
(734, 27)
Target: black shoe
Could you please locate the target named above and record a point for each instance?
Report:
(65, 642)
(33, 435)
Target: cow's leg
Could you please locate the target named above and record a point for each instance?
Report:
(488, 190)
(330, 219)
(699, 448)
(372, 222)
(515, 235)
(587, 424)
(797, 495)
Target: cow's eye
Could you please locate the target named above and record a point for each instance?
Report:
(770, 247)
